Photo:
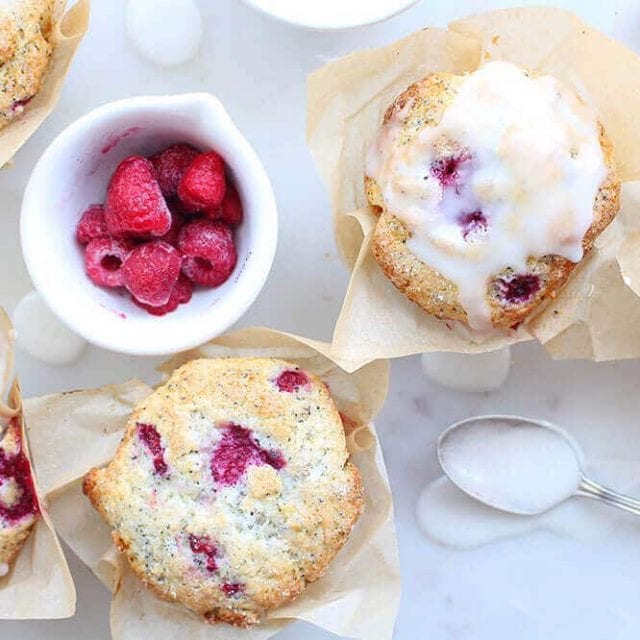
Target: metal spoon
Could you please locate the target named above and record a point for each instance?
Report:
(551, 436)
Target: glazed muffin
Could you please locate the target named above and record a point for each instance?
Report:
(490, 188)
(25, 52)
(18, 502)
(231, 489)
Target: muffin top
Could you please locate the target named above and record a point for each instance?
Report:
(231, 488)
(489, 173)
(25, 51)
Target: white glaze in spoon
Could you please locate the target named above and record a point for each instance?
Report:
(518, 465)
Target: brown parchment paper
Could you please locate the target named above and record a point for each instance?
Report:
(38, 584)
(597, 315)
(68, 30)
(358, 596)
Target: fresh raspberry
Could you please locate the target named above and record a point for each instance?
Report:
(180, 294)
(92, 225)
(519, 288)
(290, 381)
(209, 254)
(151, 271)
(135, 205)
(203, 184)
(170, 166)
(474, 225)
(149, 435)
(237, 451)
(231, 207)
(103, 259)
(202, 545)
(177, 222)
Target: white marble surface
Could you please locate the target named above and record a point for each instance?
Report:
(539, 586)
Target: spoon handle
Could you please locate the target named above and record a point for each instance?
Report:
(590, 489)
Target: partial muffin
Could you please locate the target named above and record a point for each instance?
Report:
(490, 188)
(25, 52)
(18, 502)
(232, 488)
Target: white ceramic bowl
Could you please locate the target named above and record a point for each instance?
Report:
(74, 172)
(330, 14)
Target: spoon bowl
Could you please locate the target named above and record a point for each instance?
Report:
(519, 465)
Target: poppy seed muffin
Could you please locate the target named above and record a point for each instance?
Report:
(490, 188)
(25, 52)
(18, 502)
(231, 489)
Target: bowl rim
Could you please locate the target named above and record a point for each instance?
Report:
(403, 5)
(216, 323)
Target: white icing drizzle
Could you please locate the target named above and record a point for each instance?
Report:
(527, 156)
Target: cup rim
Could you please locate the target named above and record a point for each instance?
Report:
(213, 321)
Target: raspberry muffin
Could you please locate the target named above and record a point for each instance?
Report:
(231, 489)
(490, 188)
(25, 51)
(18, 502)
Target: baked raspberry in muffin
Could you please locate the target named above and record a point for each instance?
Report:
(25, 51)
(490, 188)
(18, 502)
(232, 487)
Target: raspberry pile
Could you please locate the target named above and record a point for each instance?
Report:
(165, 226)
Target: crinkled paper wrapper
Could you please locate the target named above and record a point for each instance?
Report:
(68, 30)
(358, 596)
(597, 315)
(38, 584)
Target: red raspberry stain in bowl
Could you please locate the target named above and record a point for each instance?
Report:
(237, 451)
(16, 467)
(290, 381)
(149, 435)
(519, 288)
(203, 545)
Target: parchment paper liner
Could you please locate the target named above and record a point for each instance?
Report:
(68, 30)
(597, 316)
(357, 597)
(38, 584)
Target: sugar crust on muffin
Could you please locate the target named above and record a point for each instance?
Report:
(232, 487)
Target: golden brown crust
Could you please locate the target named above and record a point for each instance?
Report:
(25, 51)
(275, 527)
(422, 105)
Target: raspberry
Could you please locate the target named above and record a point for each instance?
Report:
(238, 450)
(15, 466)
(177, 222)
(203, 183)
(180, 294)
(170, 166)
(231, 207)
(103, 259)
(92, 225)
(150, 272)
(231, 589)
(135, 205)
(518, 288)
(290, 381)
(202, 545)
(474, 225)
(151, 438)
(447, 170)
(209, 252)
